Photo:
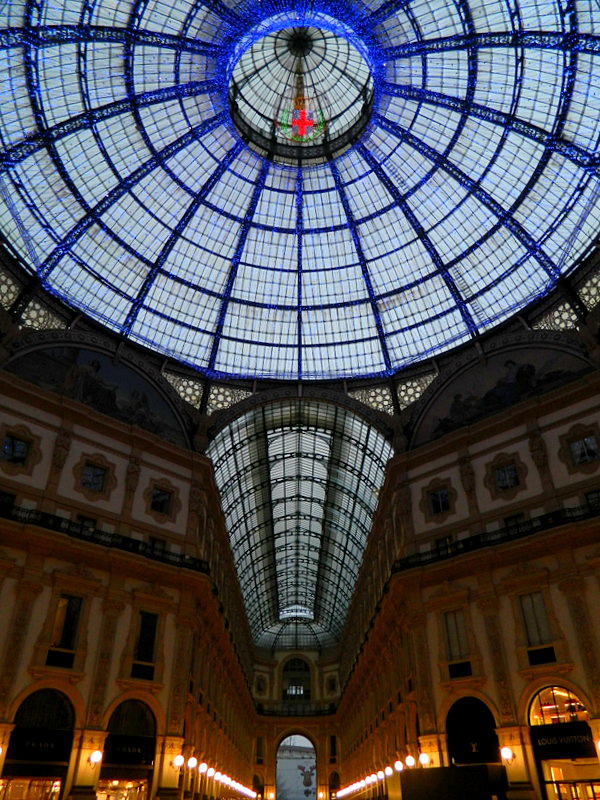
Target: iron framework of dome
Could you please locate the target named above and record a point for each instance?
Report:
(299, 482)
(128, 190)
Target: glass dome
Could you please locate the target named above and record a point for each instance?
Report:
(466, 190)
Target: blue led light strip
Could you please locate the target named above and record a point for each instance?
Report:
(191, 210)
(41, 36)
(423, 238)
(37, 141)
(544, 40)
(387, 9)
(586, 159)
(69, 240)
(235, 261)
(299, 241)
(477, 191)
(363, 265)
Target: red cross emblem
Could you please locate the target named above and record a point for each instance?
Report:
(301, 122)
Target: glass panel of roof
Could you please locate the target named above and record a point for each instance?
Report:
(299, 481)
(466, 192)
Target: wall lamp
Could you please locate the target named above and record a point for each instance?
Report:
(95, 758)
(178, 762)
(192, 762)
(507, 755)
(410, 761)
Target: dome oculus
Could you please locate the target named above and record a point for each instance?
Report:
(300, 94)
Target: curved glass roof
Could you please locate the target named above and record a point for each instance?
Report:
(299, 481)
(128, 190)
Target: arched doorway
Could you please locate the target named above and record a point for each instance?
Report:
(39, 749)
(563, 745)
(129, 749)
(471, 732)
(296, 777)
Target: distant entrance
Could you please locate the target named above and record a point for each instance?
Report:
(296, 769)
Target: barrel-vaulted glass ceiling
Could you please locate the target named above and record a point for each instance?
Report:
(299, 481)
(128, 189)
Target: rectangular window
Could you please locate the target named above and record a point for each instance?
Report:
(93, 477)
(514, 521)
(457, 643)
(592, 499)
(584, 450)
(161, 500)
(157, 546)
(143, 654)
(439, 501)
(506, 477)
(64, 631)
(537, 627)
(15, 450)
(87, 523)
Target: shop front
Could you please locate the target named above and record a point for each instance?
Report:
(563, 746)
(39, 749)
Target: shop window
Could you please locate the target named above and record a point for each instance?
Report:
(64, 632)
(537, 629)
(40, 744)
(579, 448)
(143, 654)
(457, 644)
(15, 450)
(554, 705)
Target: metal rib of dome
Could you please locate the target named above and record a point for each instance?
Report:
(299, 481)
(127, 189)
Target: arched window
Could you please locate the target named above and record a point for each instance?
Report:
(296, 680)
(555, 704)
(131, 736)
(40, 743)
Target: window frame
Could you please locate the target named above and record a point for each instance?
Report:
(163, 485)
(109, 483)
(435, 487)
(501, 462)
(33, 455)
(578, 433)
